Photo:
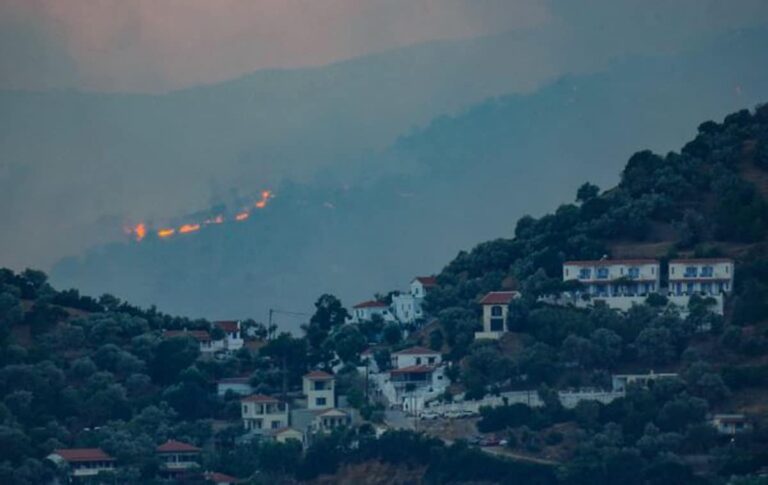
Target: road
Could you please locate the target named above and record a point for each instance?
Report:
(397, 419)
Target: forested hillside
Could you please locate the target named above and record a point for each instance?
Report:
(82, 372)
(708, 200)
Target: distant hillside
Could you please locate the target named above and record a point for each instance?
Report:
(460, 180)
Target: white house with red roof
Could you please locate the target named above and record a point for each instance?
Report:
(233, 339)
(417, 373)
(619, 283)
(495, 311)
(365, 311)
(208, 346)
(407, 307)
(710, 278)
(414, 356)
(319, 388)
(421, 285)
(177, 456)
(261, 413)
(83, 462)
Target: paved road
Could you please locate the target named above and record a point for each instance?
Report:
(397, 419)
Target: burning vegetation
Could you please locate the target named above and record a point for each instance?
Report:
(141, 230)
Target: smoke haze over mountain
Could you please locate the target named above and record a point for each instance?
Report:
(384, 165)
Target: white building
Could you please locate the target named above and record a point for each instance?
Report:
(407, 307)
(421, 285)
(730, 424)
(83, 462)
(260, 412)
(414, 356)
(620, 283)
(619, 382)
(233, 340)
(319, 387)
(712, 278)
(176, 456)
(238, 385)
(208, 346)
(495, 310)
(331, 419)
(364, 312)
(415, 383)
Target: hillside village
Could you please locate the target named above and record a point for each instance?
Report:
(615, 340)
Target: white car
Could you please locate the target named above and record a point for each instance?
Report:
(429, 415)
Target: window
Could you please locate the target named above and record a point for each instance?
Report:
(602, 273)
(706, 288)
(320, 401)
(418, 360)
(496, 311)
(497, 325)
(431, 360)
(275, 424)
(585, 273)
(689, 288)
(691, 271)
(707, 271)
(245, 409)
(634, 272)
(320, 386)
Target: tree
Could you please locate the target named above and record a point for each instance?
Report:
(587, 192)
(655, 346)
(607, 347)
(171, 357)
(329, 314)
(436, 340)
(392, 334)
(348, 342)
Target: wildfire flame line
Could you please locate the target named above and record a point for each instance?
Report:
(140, 231)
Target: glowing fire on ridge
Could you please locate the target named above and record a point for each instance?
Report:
(140, 231)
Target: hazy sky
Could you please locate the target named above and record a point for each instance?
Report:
(156, 45)
(160, 44)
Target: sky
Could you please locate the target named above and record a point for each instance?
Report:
(160, 45)
(210, 120)
(156, 45)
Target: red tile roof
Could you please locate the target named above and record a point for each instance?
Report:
(427, 281)
(318, 375)
(217, 477)
(172, 446)
(414, 369)
(83, 454)
(700, 261)
(199, 335)
(609, 262)
(499, 297)
(229, 326)
(416, 351)
(260, 398)
(371, 304)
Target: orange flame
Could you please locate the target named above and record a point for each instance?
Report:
(139, 231)
(186, 228)
(265, 196)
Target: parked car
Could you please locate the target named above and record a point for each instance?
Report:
(453, 414)
(474, 440)
(490, 441)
